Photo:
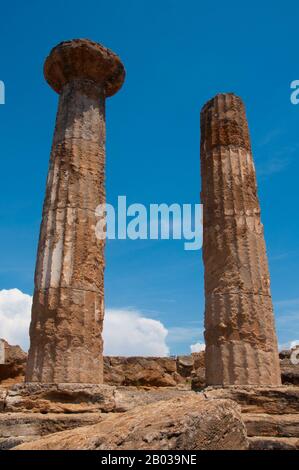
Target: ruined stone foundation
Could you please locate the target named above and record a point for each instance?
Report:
(241, 344)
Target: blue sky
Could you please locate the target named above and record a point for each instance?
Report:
(177, 55)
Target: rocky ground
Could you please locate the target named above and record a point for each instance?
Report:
(189, 422)
(270, 414)
(147, 403)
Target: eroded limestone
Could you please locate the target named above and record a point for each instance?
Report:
(241, 344)
(68, 303)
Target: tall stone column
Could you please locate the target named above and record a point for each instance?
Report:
(68, 303)
(241, 344)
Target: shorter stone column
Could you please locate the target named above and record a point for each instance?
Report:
(241, 343)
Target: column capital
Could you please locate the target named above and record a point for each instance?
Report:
(86, 60)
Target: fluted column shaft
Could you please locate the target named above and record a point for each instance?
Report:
(241, 344)
(68, 305)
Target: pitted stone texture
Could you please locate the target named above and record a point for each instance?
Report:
(60, 398)
(127, 398)
(271, 400)
(262, 424)
(17, 428)
(68, 304)
(81, 113)
(273, 443)
(66, 328)
(224, 125)
(76, 177)
(152, 371)
(241, 343)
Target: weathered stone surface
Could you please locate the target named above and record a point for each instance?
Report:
(127, 398)
(13, 367)
(241, 344)
(59, 398)
(68, 303)
(133, 371)
(261, 424)
(272, 400)
(273, 443)
(70, 59)
(270, 414)
(16, 428)
(82, 398)
(7, 443)
(33, 410)
(181, 424)
(151, 371)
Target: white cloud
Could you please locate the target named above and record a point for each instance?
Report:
(197, 347)
(288, 345)
(128, 333)
(15, 311)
